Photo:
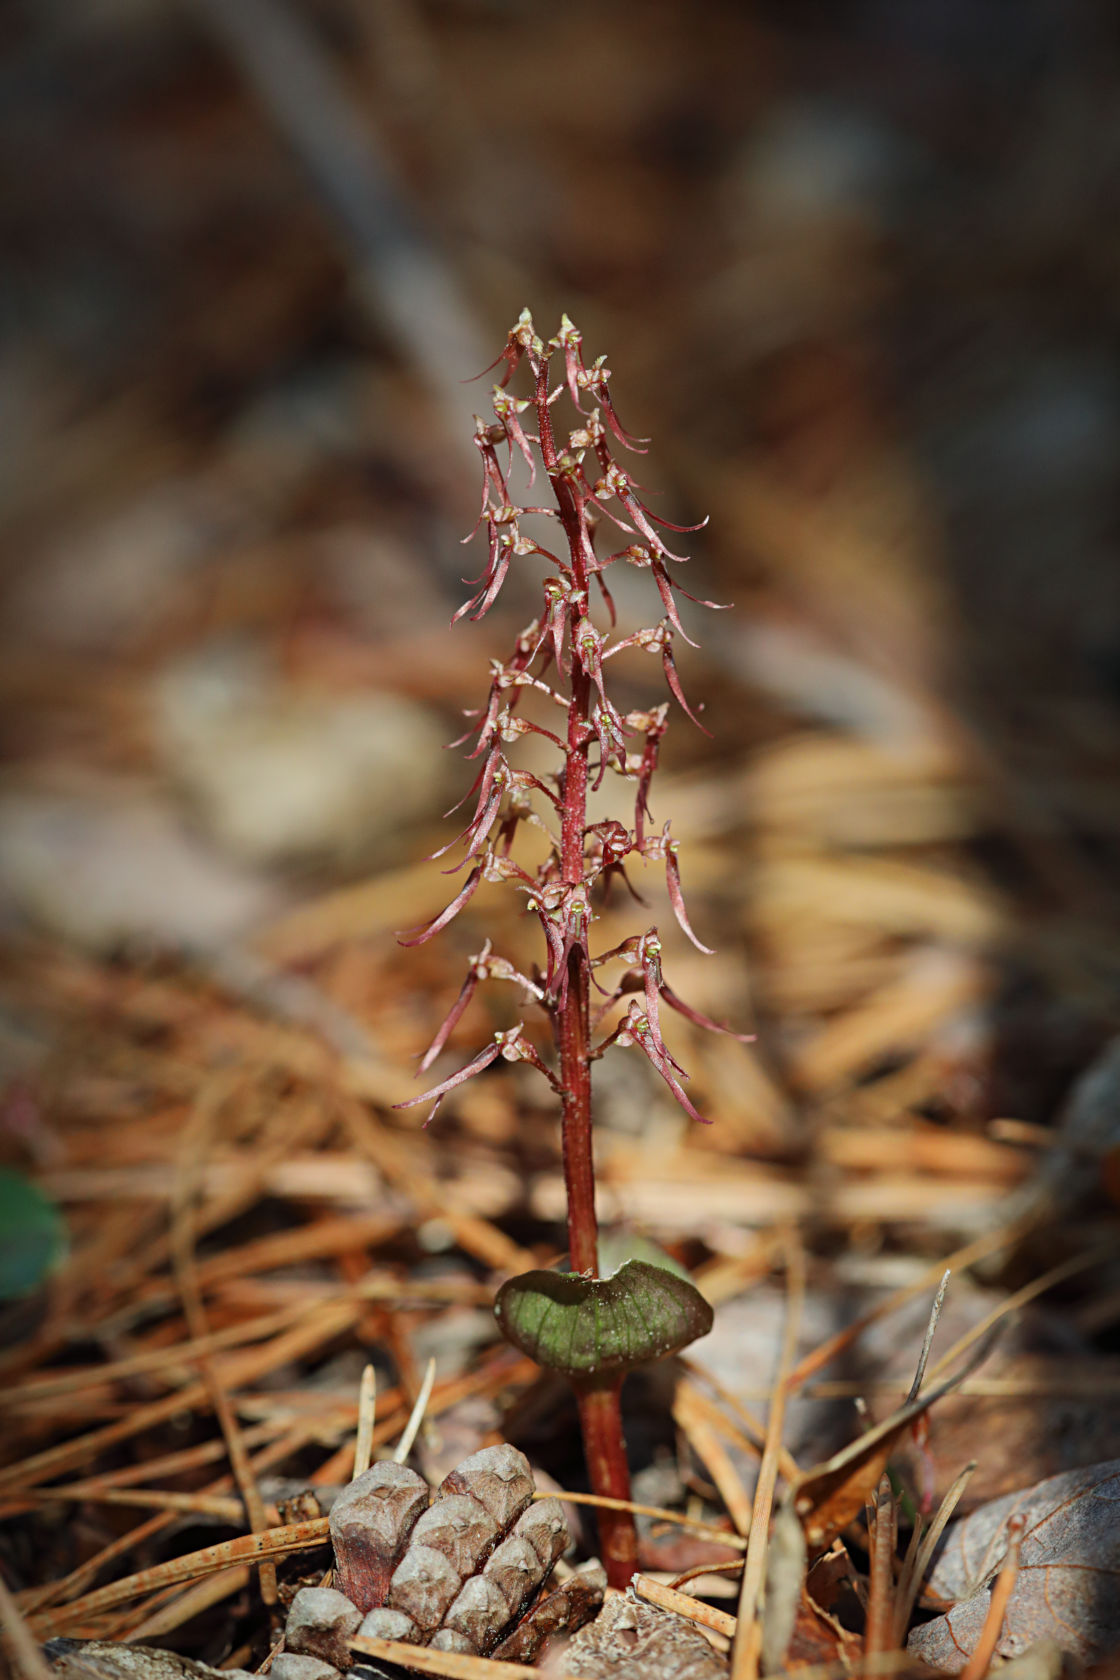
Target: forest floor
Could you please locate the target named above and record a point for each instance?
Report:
(863, 320)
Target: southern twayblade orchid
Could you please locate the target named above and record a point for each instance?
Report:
(592, 736)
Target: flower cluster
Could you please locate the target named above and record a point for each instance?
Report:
(561, 657)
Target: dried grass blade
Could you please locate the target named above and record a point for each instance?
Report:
(202, 1596)
(248, 1548)
(681, 1604)
(450, 1665)
(931, 1330)
(330, 1319)
(367, 1417)
(977, 1665)
(412, 1427)
(881, 1604)
(1057, 1274)
(695, 1525)
(692, 1412)
(747, 1647)
(27, 1659)
(919, 1556)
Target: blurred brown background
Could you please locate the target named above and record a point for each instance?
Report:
(856, 268)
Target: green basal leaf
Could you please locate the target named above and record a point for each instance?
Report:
(32, 1235)
(591, 1327)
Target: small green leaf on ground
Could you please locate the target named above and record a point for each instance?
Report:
(32, 1235)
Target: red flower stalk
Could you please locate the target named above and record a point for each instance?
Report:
(591, 736)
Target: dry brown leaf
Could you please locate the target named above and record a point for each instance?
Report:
(1068, 1588)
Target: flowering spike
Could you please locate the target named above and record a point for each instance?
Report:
(568, 644)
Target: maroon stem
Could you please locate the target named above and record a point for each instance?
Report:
(600, 1417)
(599, 1410)
(571, 1023)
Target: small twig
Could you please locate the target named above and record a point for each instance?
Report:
(692, 1412)
(977, 1664)
(931, 1329)
(699, 1569)
(747, 1648)
(247, 1548)
(709, 1531)
(367, 1416)
(667, 1598)
(450, 1665)
(879, 1630)
(412, 1427)
(920, 1553)
(26, 1656)
(1056, 1274)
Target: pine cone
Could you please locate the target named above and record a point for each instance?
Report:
(459, 1572)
